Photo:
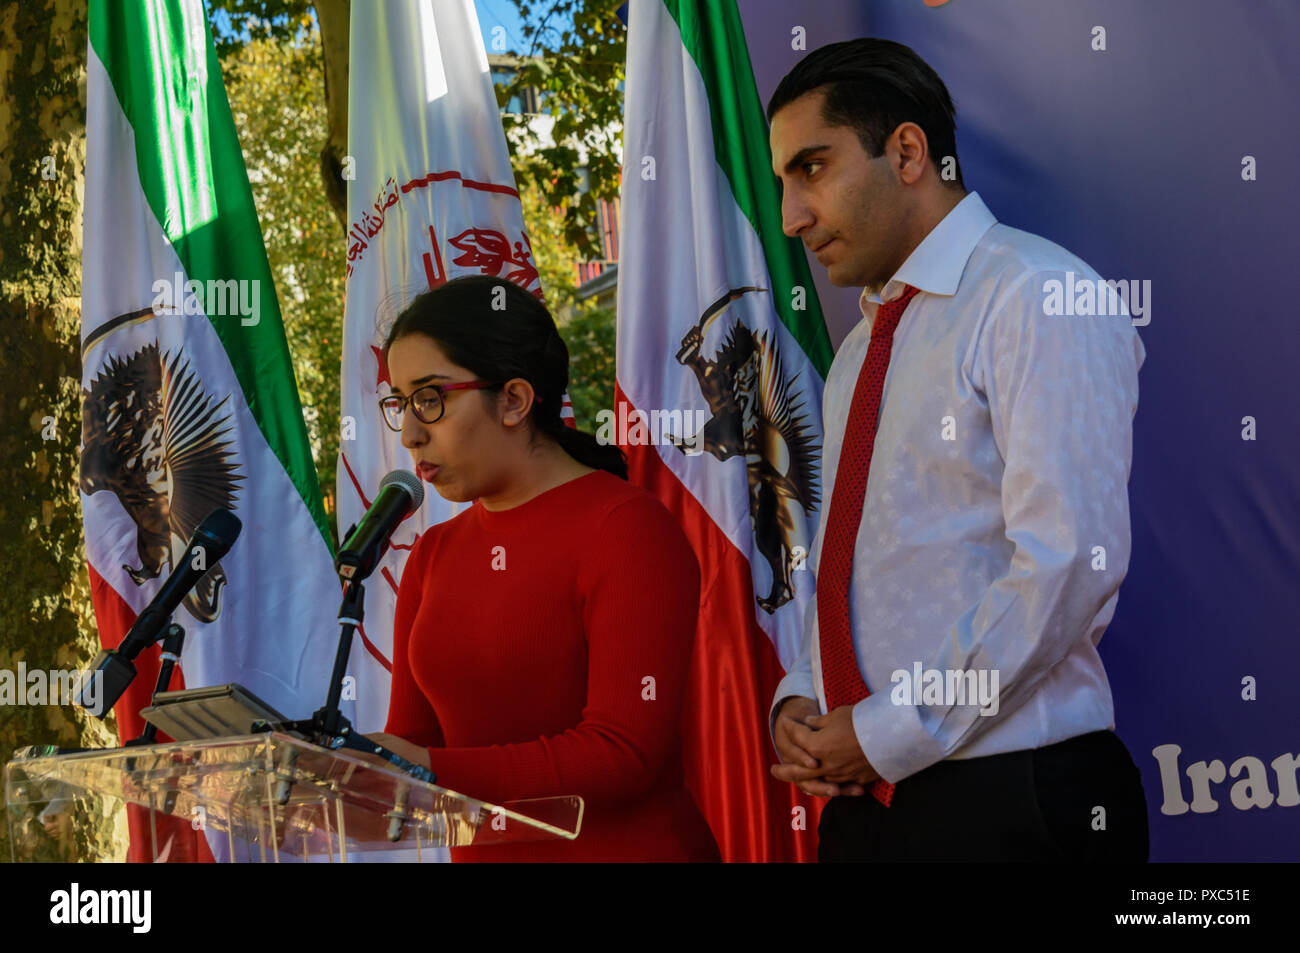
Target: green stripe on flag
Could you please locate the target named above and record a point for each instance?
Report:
(715, 39)
(163, 65)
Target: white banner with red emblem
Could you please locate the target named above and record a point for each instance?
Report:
(431, 196)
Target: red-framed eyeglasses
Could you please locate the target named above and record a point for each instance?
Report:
(428, 402)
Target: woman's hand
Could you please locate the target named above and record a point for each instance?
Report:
(416, 754)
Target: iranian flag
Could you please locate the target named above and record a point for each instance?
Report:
(431, 197)
(189, 398)
(722, 354)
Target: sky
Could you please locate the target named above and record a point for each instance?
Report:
(499, 13)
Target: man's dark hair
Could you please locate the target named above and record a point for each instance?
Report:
(874, 86)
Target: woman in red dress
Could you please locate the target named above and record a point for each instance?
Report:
(543, 636)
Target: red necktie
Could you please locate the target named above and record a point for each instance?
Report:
(840, 675)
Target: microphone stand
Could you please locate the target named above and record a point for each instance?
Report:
(171, 654)
(173, 640)
(328, 727)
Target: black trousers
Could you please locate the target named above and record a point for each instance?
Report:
(1037, 805)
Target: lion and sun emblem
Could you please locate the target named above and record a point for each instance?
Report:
(156, 440)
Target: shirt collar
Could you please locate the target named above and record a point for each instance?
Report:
(936, 265)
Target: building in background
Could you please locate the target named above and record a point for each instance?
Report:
(597, 279)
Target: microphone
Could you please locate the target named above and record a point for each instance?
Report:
(212, 540)
(112, 670)
(400, 494)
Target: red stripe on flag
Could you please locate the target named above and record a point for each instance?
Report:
(356, 485)
(727, 751)
(115, 619)
(374, 652)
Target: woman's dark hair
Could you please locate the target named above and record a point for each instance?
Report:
(874, 86)
(498, 331)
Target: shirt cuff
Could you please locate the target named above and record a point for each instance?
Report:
(893, 738)
(794, 684)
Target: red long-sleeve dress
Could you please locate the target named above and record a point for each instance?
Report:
(544, 650)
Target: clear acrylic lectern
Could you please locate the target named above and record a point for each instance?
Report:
(268, 798)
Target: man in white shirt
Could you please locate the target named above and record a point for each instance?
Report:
(994, 527)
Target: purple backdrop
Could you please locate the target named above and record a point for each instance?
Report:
(1132, 158)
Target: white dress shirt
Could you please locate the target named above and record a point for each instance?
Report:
(997, 493)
